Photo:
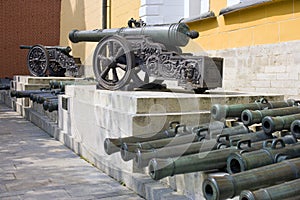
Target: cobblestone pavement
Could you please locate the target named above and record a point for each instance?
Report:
(35, 166)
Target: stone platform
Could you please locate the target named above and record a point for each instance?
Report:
(31, 83)
(87, 116)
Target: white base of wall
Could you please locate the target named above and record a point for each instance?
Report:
(271, 68)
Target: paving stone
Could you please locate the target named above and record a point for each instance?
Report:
(35, 166)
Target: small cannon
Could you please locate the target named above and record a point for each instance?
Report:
(123, 54)
(55, 59)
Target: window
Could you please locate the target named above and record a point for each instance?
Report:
(194, 8)
(171, 11)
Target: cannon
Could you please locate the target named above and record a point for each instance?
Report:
(112, 145)
(50, 104)
(51, 60)
(226, 140)
(284, 191)
(201, 132)
(122, 54)
(128, 150)
(279, 123)
(28, 93)
(219, 112)
(250, 117)
(229, 186)
(203, 161)
(242, 161)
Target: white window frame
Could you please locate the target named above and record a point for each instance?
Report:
(194, 8)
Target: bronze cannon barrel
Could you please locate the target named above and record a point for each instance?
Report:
(242, 161)
(26, 93)
(203, 161)
(50, 105)
(250, 117)
(143, 157)
(219, 111)
(283, 191)
(200, 132)
(253, 137)
(112, 145)
(171, 34)
(66, 49)
(229, 186)
(128, 150)
(272, 124)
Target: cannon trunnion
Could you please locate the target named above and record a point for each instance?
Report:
(133, 54)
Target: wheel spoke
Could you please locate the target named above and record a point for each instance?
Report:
(115, 75)
(111, 48)
(119, 53)
(105, 72)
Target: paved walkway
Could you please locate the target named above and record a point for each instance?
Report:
(35, 166)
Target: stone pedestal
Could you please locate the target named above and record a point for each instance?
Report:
(87, 116)
(94, 115)
(21, 83)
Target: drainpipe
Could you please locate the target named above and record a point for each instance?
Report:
(104, 14)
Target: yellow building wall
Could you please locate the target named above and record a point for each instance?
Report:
(122, 11)
(81, 15)
(270, 23)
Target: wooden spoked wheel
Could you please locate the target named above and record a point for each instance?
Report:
(38, 60)
(113, 62)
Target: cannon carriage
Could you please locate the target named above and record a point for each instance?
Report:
(123, 54)
(51, 60)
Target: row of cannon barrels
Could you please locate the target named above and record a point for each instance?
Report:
(268, 158)
(48, 97)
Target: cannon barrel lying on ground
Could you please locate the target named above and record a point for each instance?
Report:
(272, 124)
(219, 111)
(50, 105)
(229, 186)
(143, 157)
(231, 140)
(128, 150)
(112, 145)
(288, 190)
(204, 161)
(27, 93)
(242, 161)
(250, 117)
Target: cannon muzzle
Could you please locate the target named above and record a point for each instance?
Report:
(229, 186)
(250, 117)
(242, 161)
(272, 124)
